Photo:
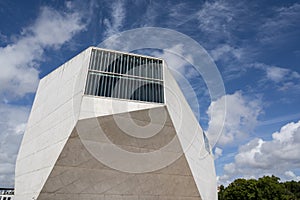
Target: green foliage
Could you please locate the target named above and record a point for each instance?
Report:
(265, 188)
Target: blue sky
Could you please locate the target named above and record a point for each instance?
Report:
(255, 45)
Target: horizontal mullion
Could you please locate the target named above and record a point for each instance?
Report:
(125, 75)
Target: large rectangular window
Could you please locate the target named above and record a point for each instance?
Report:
(125, 76)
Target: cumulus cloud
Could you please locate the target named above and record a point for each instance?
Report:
(279, 156)
(240, 118)
(19, 60)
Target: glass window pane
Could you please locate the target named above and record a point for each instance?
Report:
(101, 85)
(88, 84)
(109, 64)
(92, 59)
(129, 89)
(93, 77)
(159, 75)
(119, 87)
(100, 62)
(108, 94)
(114, 63)
(154, 92)
(155, 70)
(127, 64)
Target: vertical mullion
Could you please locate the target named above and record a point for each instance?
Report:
(105, 62)
(146, 68)
(136, 66)
(155, 70)
(146, 90)
(119, 87)
(162, 92)
(127, 65)
(92, 59)
(126, 88)
(133, 86)
(152, 68)
(100, 64)
(140, 67)
(121, 63)
(131, 66)
(158, 70)
(108, 61)
(114, 62)
(158, 91)
(161, 70)
(153, 91)
(95, 58)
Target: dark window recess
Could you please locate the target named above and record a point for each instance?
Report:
(125, 76)
(206, 142)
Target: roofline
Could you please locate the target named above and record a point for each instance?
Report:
(123, 52)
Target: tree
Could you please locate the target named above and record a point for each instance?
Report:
(265, 188)
(241, 189)
(293, 187)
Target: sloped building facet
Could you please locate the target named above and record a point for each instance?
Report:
(113, 125)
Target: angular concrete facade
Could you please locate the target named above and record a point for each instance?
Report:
(79, 146)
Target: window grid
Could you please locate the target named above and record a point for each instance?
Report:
(125, 76)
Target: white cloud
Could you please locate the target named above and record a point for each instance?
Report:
(214, 17)
(114, 24)
(241, 118)
(282, 25)
(177, 61)
(19, 61)
(12, 126)
(291, 176)
(279, 156)
(3, 38)
(223, 51)
(218, 153)
(20, 76)
(276, 74)
(284, 79)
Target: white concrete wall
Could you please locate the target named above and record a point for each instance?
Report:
(53, 116)
(100, 106)
(190, 135)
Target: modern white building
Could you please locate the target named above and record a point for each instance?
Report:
(112, 125)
